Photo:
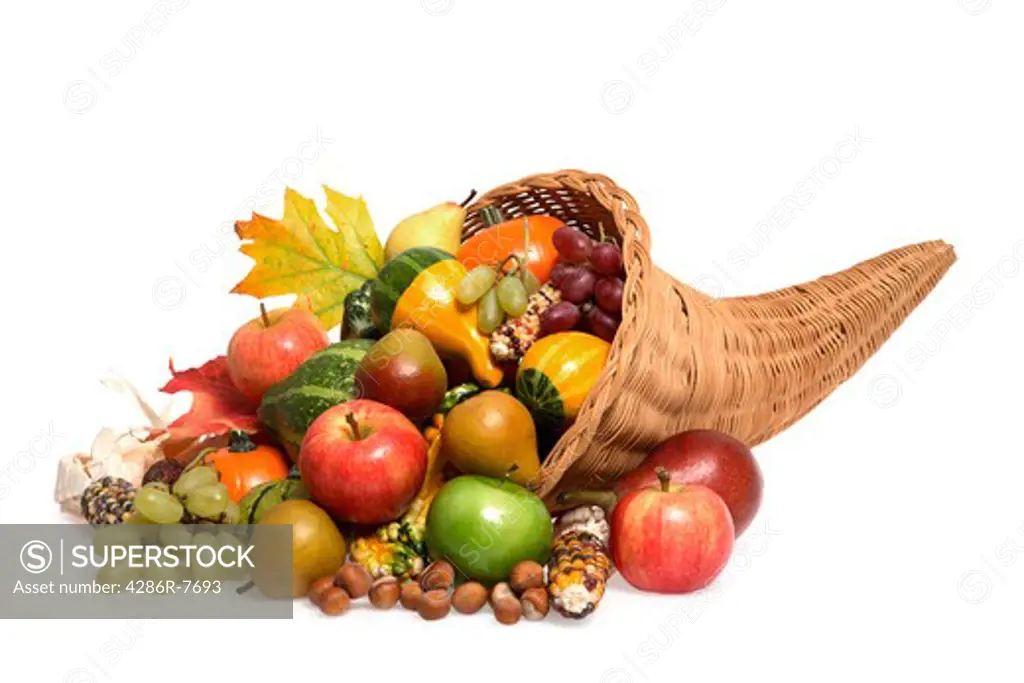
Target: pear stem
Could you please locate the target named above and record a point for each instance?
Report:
(467, 200)
(245, 587)
(351, 419)
(663, 478)
(263, 315)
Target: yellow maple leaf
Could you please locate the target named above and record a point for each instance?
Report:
(301, 254)
(350, 214)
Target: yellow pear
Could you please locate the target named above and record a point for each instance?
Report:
(440, 227)
(490, 434)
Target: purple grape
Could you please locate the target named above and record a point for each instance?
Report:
(608, 294)
(578, 284)
(572, 244)
(558, 272)
(601, 324)
(606, 259)
(561, 317)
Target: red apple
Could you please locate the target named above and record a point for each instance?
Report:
(363, 461)
(713, 459)
(675, 538)
(702, 456)
(267, 349)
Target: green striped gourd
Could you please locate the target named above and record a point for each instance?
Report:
(326, 379)
(395, 277)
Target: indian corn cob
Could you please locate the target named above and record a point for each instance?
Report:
(580, 564)
(588, 518)
(514, 337)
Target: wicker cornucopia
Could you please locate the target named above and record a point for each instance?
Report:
(749, 366)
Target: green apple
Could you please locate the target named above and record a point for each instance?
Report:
(484, 526)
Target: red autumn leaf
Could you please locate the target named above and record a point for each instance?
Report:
(217, 406)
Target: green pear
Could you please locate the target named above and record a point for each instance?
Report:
(440, 227)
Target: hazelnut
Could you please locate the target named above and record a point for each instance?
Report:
(500, 591)
(434, 604)
(318, 588)
(505, 604)
(354, 579)
(384, 592)
(469, 598)
(410, 594)
(535, 604)
(526, 575)
(440, 574)
(335, 601)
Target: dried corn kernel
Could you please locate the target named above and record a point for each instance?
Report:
(513, 339)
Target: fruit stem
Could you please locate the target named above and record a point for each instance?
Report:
(467, 200)
(510, 471)
(199, 459)
(664, 478)
(526, 236)
(491, 215)
(263, 315)
(510, 257)
(603, 499)
(239, 442)
(245, 587)
(351, 419)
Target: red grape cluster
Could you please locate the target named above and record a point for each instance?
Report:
(589, 276)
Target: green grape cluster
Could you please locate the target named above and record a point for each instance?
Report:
(497, 294)
(197, 495)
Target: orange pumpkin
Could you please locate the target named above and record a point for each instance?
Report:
(494, 244)
(243, 465)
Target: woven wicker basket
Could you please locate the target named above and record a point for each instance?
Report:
(748, 366)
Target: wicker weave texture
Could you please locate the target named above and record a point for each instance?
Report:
(749, 366)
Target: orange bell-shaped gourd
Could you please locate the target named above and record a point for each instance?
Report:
(428, 304)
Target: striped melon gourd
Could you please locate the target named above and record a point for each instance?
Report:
(556, 375)
(395, 277)
(326, 379)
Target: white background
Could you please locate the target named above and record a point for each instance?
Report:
(884, 548)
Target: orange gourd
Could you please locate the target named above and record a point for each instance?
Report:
(493, 245)
(242, 465)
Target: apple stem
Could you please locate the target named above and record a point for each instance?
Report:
(603, 499)
(467, 200)
(510, 471)
(245, 588)
(263, 315)
(351, 419)
(664, 478)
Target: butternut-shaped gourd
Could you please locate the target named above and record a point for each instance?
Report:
(428, 304)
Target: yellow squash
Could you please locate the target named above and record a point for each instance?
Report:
(428, 304)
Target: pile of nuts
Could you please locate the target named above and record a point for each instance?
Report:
(334, 594)
(435, 594)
